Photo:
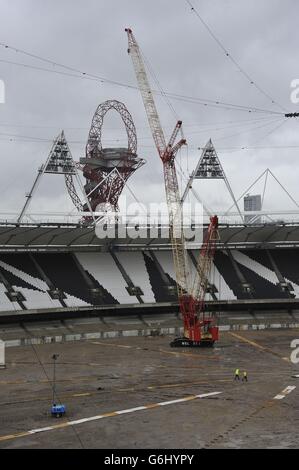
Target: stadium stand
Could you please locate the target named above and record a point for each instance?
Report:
(52, 266)
(49, 280)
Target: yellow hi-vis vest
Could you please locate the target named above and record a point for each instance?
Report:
(237, 372)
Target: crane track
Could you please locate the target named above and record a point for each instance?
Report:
(224, 435)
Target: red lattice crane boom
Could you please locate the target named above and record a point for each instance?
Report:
(197, 328)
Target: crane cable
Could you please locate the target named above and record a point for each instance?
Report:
(231, 58)
(94, 77)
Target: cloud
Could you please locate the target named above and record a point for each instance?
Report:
(90, 36)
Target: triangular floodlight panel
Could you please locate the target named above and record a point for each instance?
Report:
(60, 160)
(209, 166)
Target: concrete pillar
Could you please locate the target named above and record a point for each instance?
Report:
(2, 354)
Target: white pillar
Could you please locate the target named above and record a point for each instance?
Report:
(2, 354)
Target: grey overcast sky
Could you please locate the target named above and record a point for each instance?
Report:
(261, 35)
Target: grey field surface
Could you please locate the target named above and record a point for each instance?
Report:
(101, 377)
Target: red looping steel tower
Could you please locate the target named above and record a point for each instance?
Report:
(107, 169)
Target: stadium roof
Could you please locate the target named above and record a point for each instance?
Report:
(69, 237)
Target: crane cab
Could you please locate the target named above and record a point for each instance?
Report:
(209, 332)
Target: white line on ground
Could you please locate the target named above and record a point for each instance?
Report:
(285, 392)
(106, 415)
(131, 410)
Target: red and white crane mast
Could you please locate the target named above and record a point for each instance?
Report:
(191, 298)
(167, 154)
